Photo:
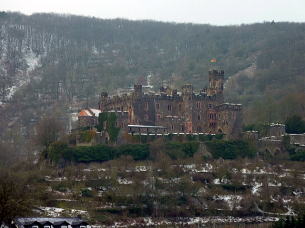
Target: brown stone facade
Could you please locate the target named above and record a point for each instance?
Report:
(180, 112)
(88, 118)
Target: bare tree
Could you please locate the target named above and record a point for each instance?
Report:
(7, 155)
(14, 198)
(49, 129)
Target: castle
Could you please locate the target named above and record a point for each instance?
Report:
(177, 112)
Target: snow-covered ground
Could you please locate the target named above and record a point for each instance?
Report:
(256, 188)
(231, 200)
(191, 221)
(57, 212)
(124, 181)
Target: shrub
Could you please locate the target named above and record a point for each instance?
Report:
(178, 150)
(87, 193)
(87, 136)
(137, 151)
(60, 151)
(295, 125)
(298, 156)
(231, 149)
(56, 150)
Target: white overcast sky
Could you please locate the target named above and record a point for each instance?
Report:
(217, 12)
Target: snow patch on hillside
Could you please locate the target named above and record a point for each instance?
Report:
(57, 212)
(32, 60)
(22, 79)
(256, 188)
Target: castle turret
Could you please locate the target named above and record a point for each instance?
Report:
(138, 92)
(103, 100)
(187, 90)
(187, 96)
(216, 81)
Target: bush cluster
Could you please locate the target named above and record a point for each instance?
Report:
(290, 222)
(60, 151)
(231, 149)
(178, 150)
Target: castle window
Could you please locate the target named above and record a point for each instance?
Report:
(199, 117)
(210, 106)
(169, 108)
(198, 105)
(157, 106)
(172, 127)
(158, 117)
(212, 124)
(146, 107)
(182, 128)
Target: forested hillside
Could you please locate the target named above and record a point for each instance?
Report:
(49, 59)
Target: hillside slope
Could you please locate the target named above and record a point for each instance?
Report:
(48, 59)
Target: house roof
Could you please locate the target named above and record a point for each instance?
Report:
(84, 112)
(61, 223)
(96, 112)
(45, 220)
(89, 112)
(146, 126)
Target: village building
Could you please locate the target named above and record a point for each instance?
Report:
(40, 222)
(88, 117)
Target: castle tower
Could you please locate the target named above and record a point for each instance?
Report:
(137, 91)
(187, 96)
(103, 100)
(216, 81)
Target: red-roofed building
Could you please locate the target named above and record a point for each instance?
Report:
(88, 117)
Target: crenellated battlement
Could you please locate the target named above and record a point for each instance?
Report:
(216, 73)
(229, 106)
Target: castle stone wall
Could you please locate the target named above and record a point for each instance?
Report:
(185, 112)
